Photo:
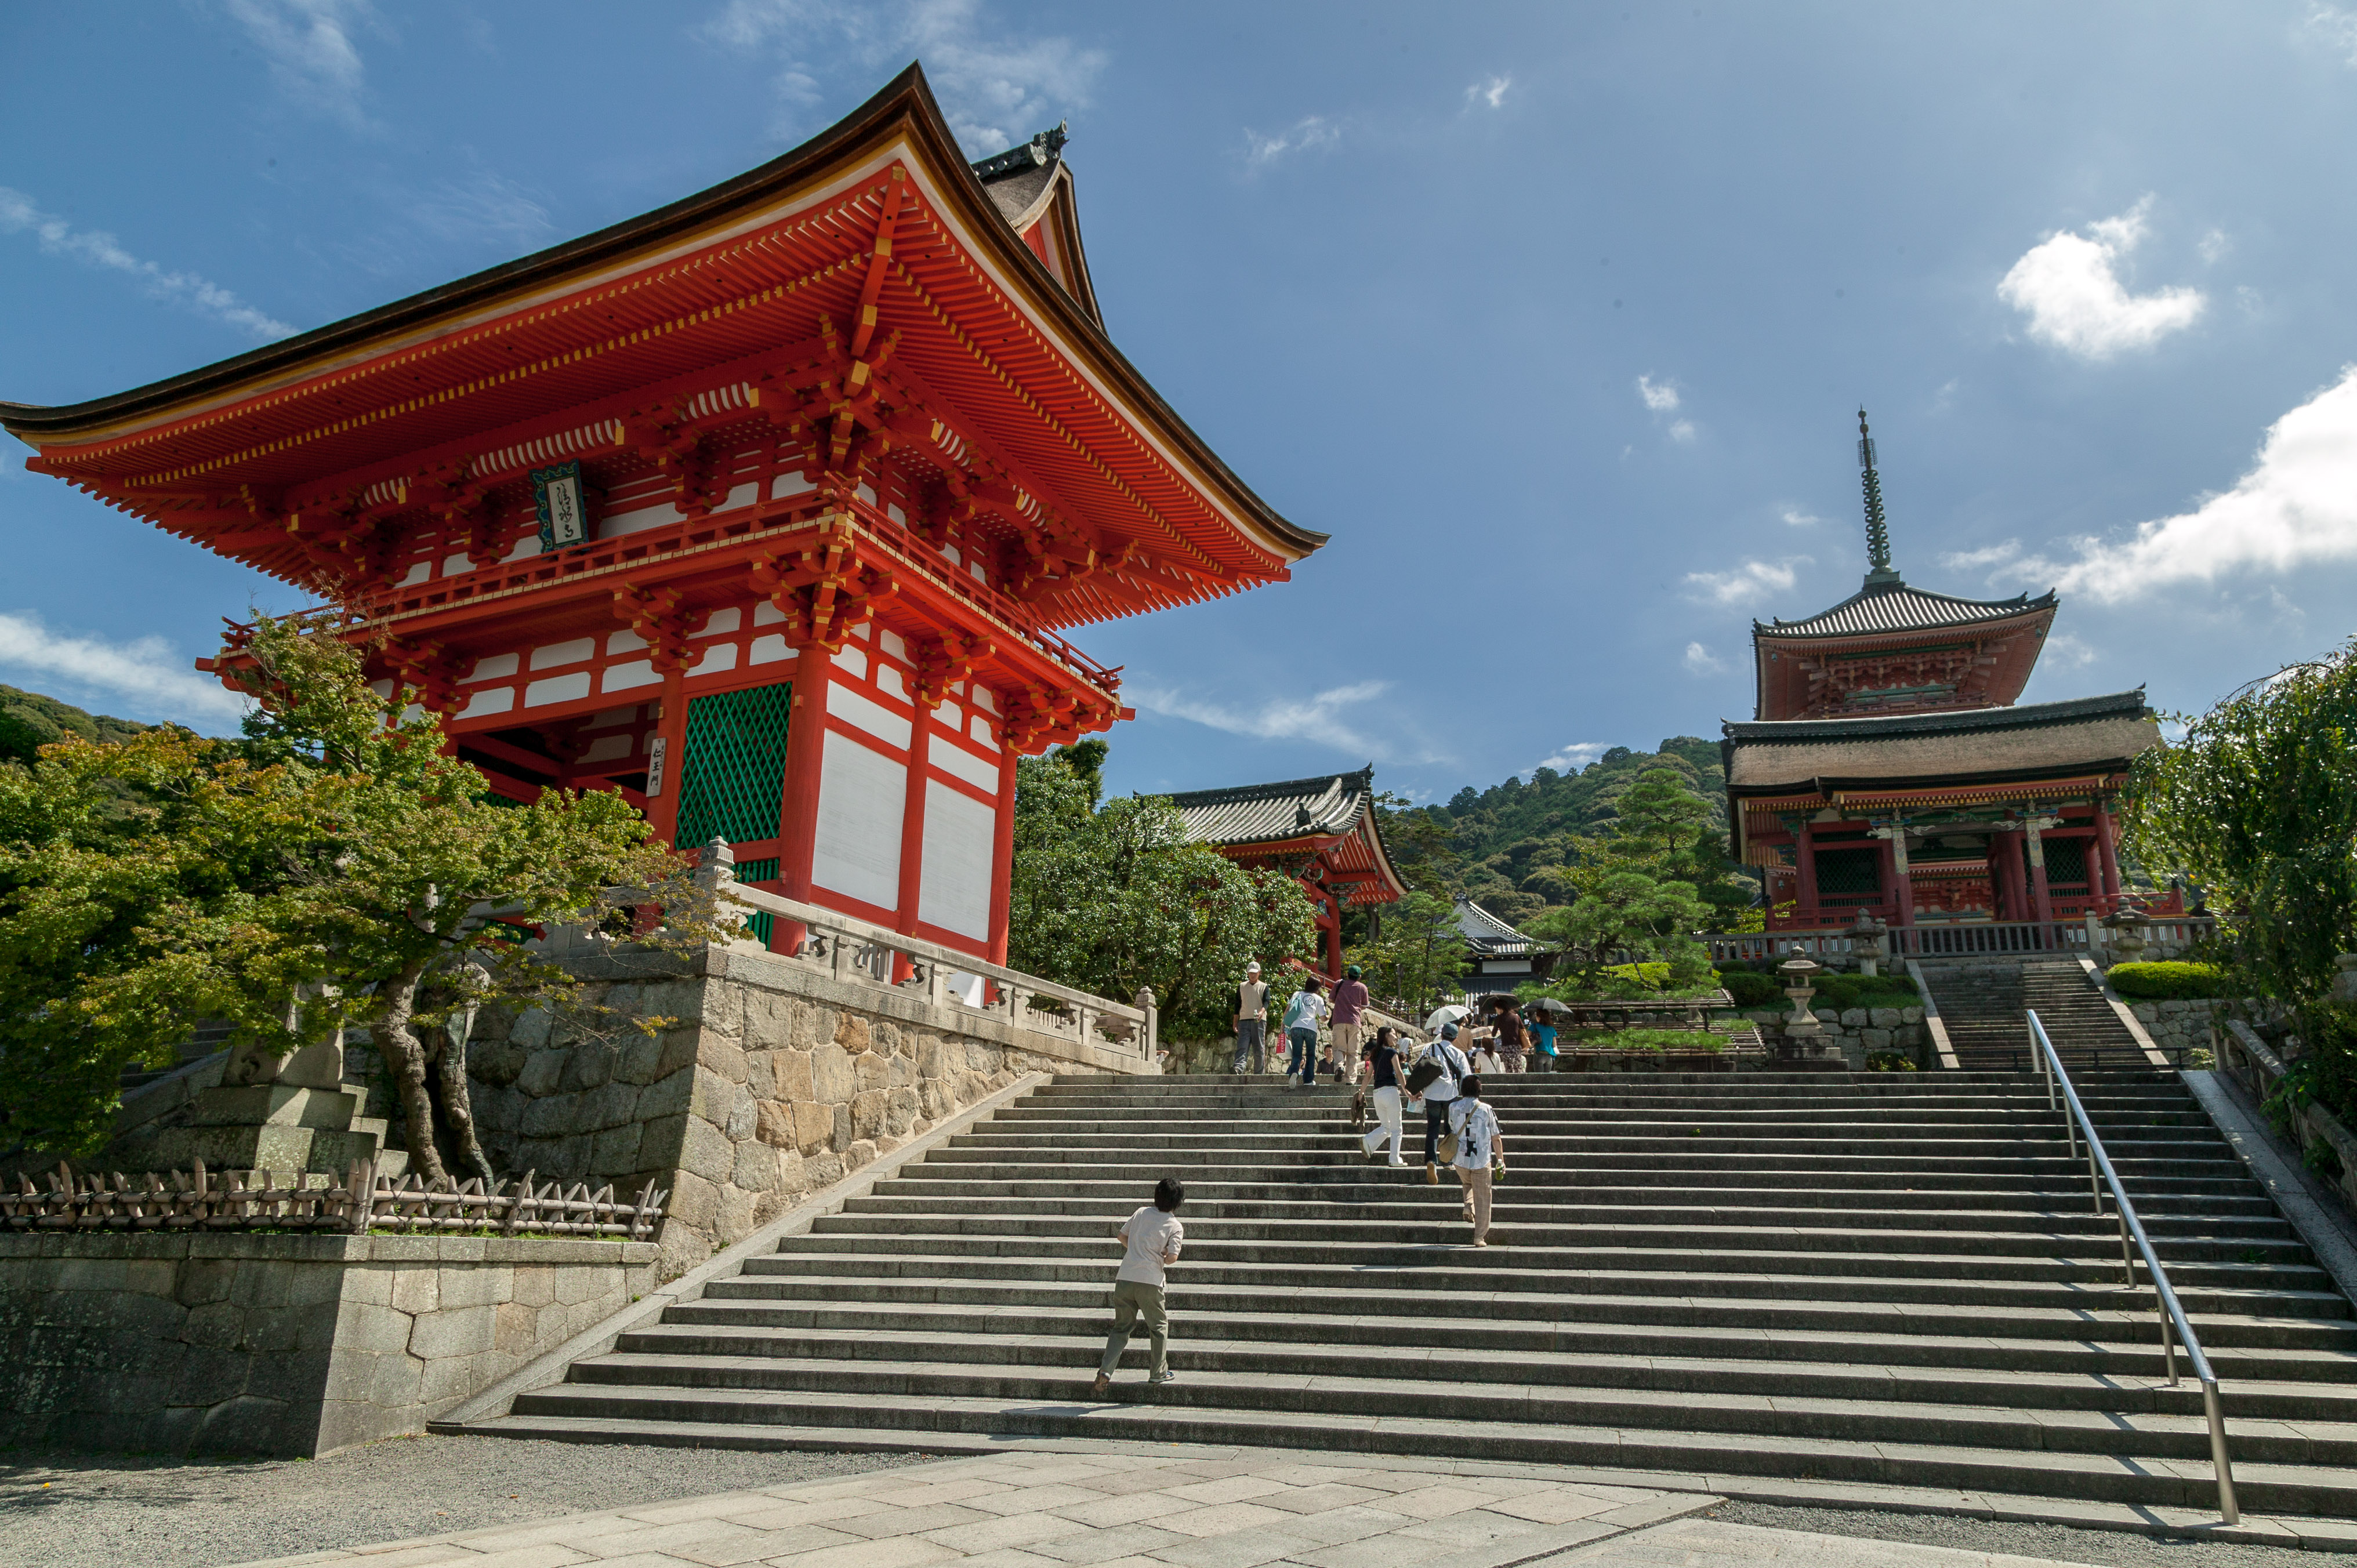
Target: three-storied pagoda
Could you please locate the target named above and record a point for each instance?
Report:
(1888, 770)
(767, 508)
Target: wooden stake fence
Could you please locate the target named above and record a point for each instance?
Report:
(287, 1200)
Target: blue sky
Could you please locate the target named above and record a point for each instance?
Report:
(1556, 317)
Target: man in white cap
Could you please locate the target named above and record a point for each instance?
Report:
(1252, 1020)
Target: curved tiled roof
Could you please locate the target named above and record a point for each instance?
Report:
(1269, 813)
(2089, 734)
(1491, 937)
(2027, 716)
(1894, 606)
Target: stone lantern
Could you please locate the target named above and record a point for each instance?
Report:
(2127, 925)
(1802, 1030)
(1866, 938)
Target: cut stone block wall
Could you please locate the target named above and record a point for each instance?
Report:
(1858, 1031)
(286, 1344)
(774, 1082)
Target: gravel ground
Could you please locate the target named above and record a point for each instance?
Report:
(61, 1509)
(2059, 1543)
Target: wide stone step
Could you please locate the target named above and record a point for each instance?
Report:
(1564, 1181)
(1150, 1415)
(2023, 1375)
(1547, 1202)
(2291, 1308)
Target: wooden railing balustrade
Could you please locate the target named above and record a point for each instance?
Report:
(286, 1200)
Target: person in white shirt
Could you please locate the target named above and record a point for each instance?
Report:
(1150, 1239)
(1252, 1020)
(1478, 1143)
(1437, 1094)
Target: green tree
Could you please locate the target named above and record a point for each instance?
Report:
(1115, 898)
(1627, 916)
(333, 869)
(2258, 804)
(1419, 955)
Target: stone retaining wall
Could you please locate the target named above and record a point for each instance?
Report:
(775, 1081)
(284, 1345)
(1858, 1031)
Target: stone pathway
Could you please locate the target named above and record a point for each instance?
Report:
(1031, 1509)
(1711, 1543)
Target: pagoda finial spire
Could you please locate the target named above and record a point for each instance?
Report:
(1878, 530)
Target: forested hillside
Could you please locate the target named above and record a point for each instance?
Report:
(1507, 845)
(29, 720)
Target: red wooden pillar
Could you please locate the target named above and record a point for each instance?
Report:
(670, 736)
(1334, 923)
(1895, 875)
(1002, 853)
(912, 821)
(798, 807)
(1805, 863)
(2107, 854)
(2005, 871)
(2041, 905)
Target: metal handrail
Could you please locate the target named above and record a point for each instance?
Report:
(2075, 1122)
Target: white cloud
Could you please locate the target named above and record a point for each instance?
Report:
(1681, 430)
(996, 89)
(1318, 718)
(1577, 755)
(1798, 517)
(2296, 508)
(2069, 288)
(480, 207)
(1491, 93)
(1313, 131)
(309, 46)
(2213, 247)
(1996, 554)
(2069, 652)
(2337, 27)
(1701, 660)
(158, 680)
(1661, 396)
(96, 248)
(1752, 580)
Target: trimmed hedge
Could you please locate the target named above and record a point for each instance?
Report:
(1750, 990)
(1837, 992)
(2168, 980)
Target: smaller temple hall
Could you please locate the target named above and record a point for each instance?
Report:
(1323, 832)
(1889, 772)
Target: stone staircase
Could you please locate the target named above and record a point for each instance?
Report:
(1893, 1279)
(1982, 1005)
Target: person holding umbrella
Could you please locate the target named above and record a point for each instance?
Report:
(1541, 1029)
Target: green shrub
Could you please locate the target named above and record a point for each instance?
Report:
(2166, 982)
(1751, 990)
(1649, 1040)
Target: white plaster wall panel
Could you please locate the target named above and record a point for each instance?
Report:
(557, 689)
(383, 689)
(416, 574)
(770, 649)
(980, 729)
(843, 703)
(891, 643)
(854, 660)
(527, 546)
(723, 622)
(897, 515)
(741, 495)
(865, 631)
(498, 667)
(792, 484)
(624, 642)
(767, 614)
(606, 748)
(613, 525)
(613, 716)
(985, 699)
(570, 652)
(959, 763)
(622, 677)
(720, 656)
(867, 494)
(454, 565)
(953, 886)
(888, 682)
(493, 700)
(862, 795)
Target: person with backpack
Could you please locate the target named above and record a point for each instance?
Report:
(1301, 1016)
(1151, 1241)
(1479, 1147)
(1382, 1060)
(1435, 1080)
(1252, 1020)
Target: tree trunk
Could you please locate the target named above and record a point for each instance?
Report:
(406, 1054)
(458, 1108)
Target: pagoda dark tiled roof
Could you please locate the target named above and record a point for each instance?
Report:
(2027, 715)
(1270, 813)
(1895, 606)
(1015, 178)
(1490, 936)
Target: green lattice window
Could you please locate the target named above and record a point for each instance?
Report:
(2066, 862)
(761, 922)
(732, 784)
(1843, 872)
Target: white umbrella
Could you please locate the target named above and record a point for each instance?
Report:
(1448, 1014)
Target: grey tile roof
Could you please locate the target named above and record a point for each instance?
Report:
(2024, 716)
(1269, 813)
(1491, 937)
(2056, 738)
(1895, 606)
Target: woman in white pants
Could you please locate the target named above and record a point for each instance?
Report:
(1382, 1057)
